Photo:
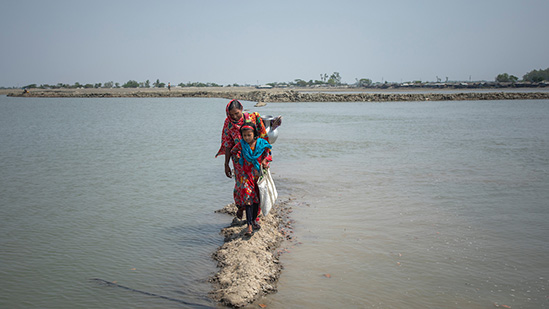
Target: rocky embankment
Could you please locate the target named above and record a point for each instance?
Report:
(279, 95)
(249, 265)
(293, 96)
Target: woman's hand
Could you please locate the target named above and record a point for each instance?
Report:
(227, 160)
(265, 163)
(228, 171)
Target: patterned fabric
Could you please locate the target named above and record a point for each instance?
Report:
(245, 190)
(230, 137)
(252, 156)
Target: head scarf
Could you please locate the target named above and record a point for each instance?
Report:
(238, 123)
(250, 156)
(230, 127)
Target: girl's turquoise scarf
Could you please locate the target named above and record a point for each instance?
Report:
(250, 156)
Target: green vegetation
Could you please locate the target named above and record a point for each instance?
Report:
(131, 84)
(537, 76)
(199, 84)
(363, 82)
(534, 76)
(65, 86)
(333, 80)
(505, 78)
(158, 84)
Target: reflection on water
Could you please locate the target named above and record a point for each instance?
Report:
(416, 204)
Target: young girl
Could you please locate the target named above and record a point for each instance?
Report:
(252, 153)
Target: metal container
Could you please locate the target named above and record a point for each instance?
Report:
(272, 134)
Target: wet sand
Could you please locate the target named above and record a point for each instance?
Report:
(249, 266)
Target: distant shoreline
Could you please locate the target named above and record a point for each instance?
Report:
(289, 95)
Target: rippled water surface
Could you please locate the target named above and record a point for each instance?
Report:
(416, 204)
(118, 189)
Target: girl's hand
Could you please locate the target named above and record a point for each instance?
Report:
(265, 164)
(228, 172)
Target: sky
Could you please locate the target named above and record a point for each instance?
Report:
(258, 42)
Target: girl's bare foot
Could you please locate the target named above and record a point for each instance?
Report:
(248, 231)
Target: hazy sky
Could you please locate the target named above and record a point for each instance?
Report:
(225, 42)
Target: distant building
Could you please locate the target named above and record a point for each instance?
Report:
(264, 87)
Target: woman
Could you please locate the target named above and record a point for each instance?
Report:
(230, 136)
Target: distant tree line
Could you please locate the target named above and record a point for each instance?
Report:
(109, 84)
(534, 76)
(325, 80)
(129, 84)
(506, 78)
(199, 84)
(537, 76)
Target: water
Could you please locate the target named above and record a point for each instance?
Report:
(118, 189)
(436, 205)
(415, 204)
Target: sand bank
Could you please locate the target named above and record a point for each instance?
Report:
(279, 95)
(250, 266)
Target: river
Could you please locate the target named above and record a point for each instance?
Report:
(402, 204)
